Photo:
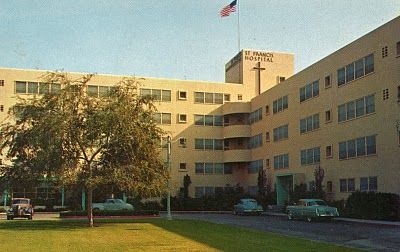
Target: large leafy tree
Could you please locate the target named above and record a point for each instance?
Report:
(86, 140)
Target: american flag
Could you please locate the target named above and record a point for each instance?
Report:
(226, 11)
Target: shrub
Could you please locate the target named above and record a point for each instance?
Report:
(372, 205)
(110, 213)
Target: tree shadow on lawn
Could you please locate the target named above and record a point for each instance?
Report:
(231, 238)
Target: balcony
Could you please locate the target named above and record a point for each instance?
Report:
(237, 155)
(236, 107)
(232, 131)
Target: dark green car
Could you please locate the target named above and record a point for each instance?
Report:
(311, 209)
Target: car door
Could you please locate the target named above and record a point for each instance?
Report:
(109, 204)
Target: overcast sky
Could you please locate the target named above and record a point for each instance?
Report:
(179, 39)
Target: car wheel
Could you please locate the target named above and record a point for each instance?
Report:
(8, 218)
(309, 219)
(29, 217)
(290, 215)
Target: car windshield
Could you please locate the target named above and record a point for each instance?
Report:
(317, 203)
(20, 201)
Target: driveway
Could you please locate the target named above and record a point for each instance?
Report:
(366, 236)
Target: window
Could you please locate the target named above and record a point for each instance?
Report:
(398, 48)
(1, 108)
(1, 83)
(384, 51)
(281, 133)
(309, 123)
(255, 116)
(208, 120)
(281, 161)
(255, 166)
(267, 163)
(329, 187)
(343, 185)
(227, 97)
(208, 168)
(156, 94)
(328, 151)
(351, 185)
(267, 139)
(199, 168)
(209, 190)
(369, 64)
(208, 144)
(162, 118)
(357, 108)
(240, 97)
(182, 95)
(368, 184)
(228, 169)
(309, 91)
(398, 93)
(310, 156)
(328, 81)
(182, 142)
(267, 110)
(199, 192)
(385, 94)
(355, 70)
(182, 166)
(361, 146)
(255, 141)
(328, 116)
(182, 118)
(280, 104)
(209, 98)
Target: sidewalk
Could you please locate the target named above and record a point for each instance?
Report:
(374, 222)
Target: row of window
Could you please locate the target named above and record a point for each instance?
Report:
(357, 108)
(27, 87)
(355, 70)
(208, 144)
(210, 98)
(212, 168)
(281, 161)
(280, 104)
(281, 133)
(310, 156)
(255, 166)
(156, 94)
(208, 120)
(309, 123)
(309, 91)
(357, 147)
(255, 116)
(366, 184)
(98, 91)
(255, 141)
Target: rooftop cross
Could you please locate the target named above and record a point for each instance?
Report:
(258, 68)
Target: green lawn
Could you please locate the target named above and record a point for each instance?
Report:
(145, 235)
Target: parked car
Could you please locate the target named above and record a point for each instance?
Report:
(20, 208)
(112, 204)
(311, 209)
(247, 206)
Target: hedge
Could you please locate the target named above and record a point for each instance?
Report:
(373, 205)
(110, 213)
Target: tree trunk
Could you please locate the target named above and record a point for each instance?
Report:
(89, 206)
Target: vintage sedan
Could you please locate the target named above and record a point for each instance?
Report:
(311, 209)
(112, 204)
(247, 206)
(20, 208)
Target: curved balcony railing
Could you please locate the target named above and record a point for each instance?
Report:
(232, 131)
(236, 107)
(237, 155)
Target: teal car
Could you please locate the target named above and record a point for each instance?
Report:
(247, 206)
(311, 209)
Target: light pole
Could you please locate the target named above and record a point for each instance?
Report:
(169, 216)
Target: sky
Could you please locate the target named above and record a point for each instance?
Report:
(177, 39)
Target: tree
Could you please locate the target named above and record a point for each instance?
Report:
(262, 182)
(186, 183)
(319, 175)
(84, 139)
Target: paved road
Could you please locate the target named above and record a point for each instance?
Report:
(366, 236)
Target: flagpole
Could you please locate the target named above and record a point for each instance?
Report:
(238, 24)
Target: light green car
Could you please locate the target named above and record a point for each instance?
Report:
(311, 209)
